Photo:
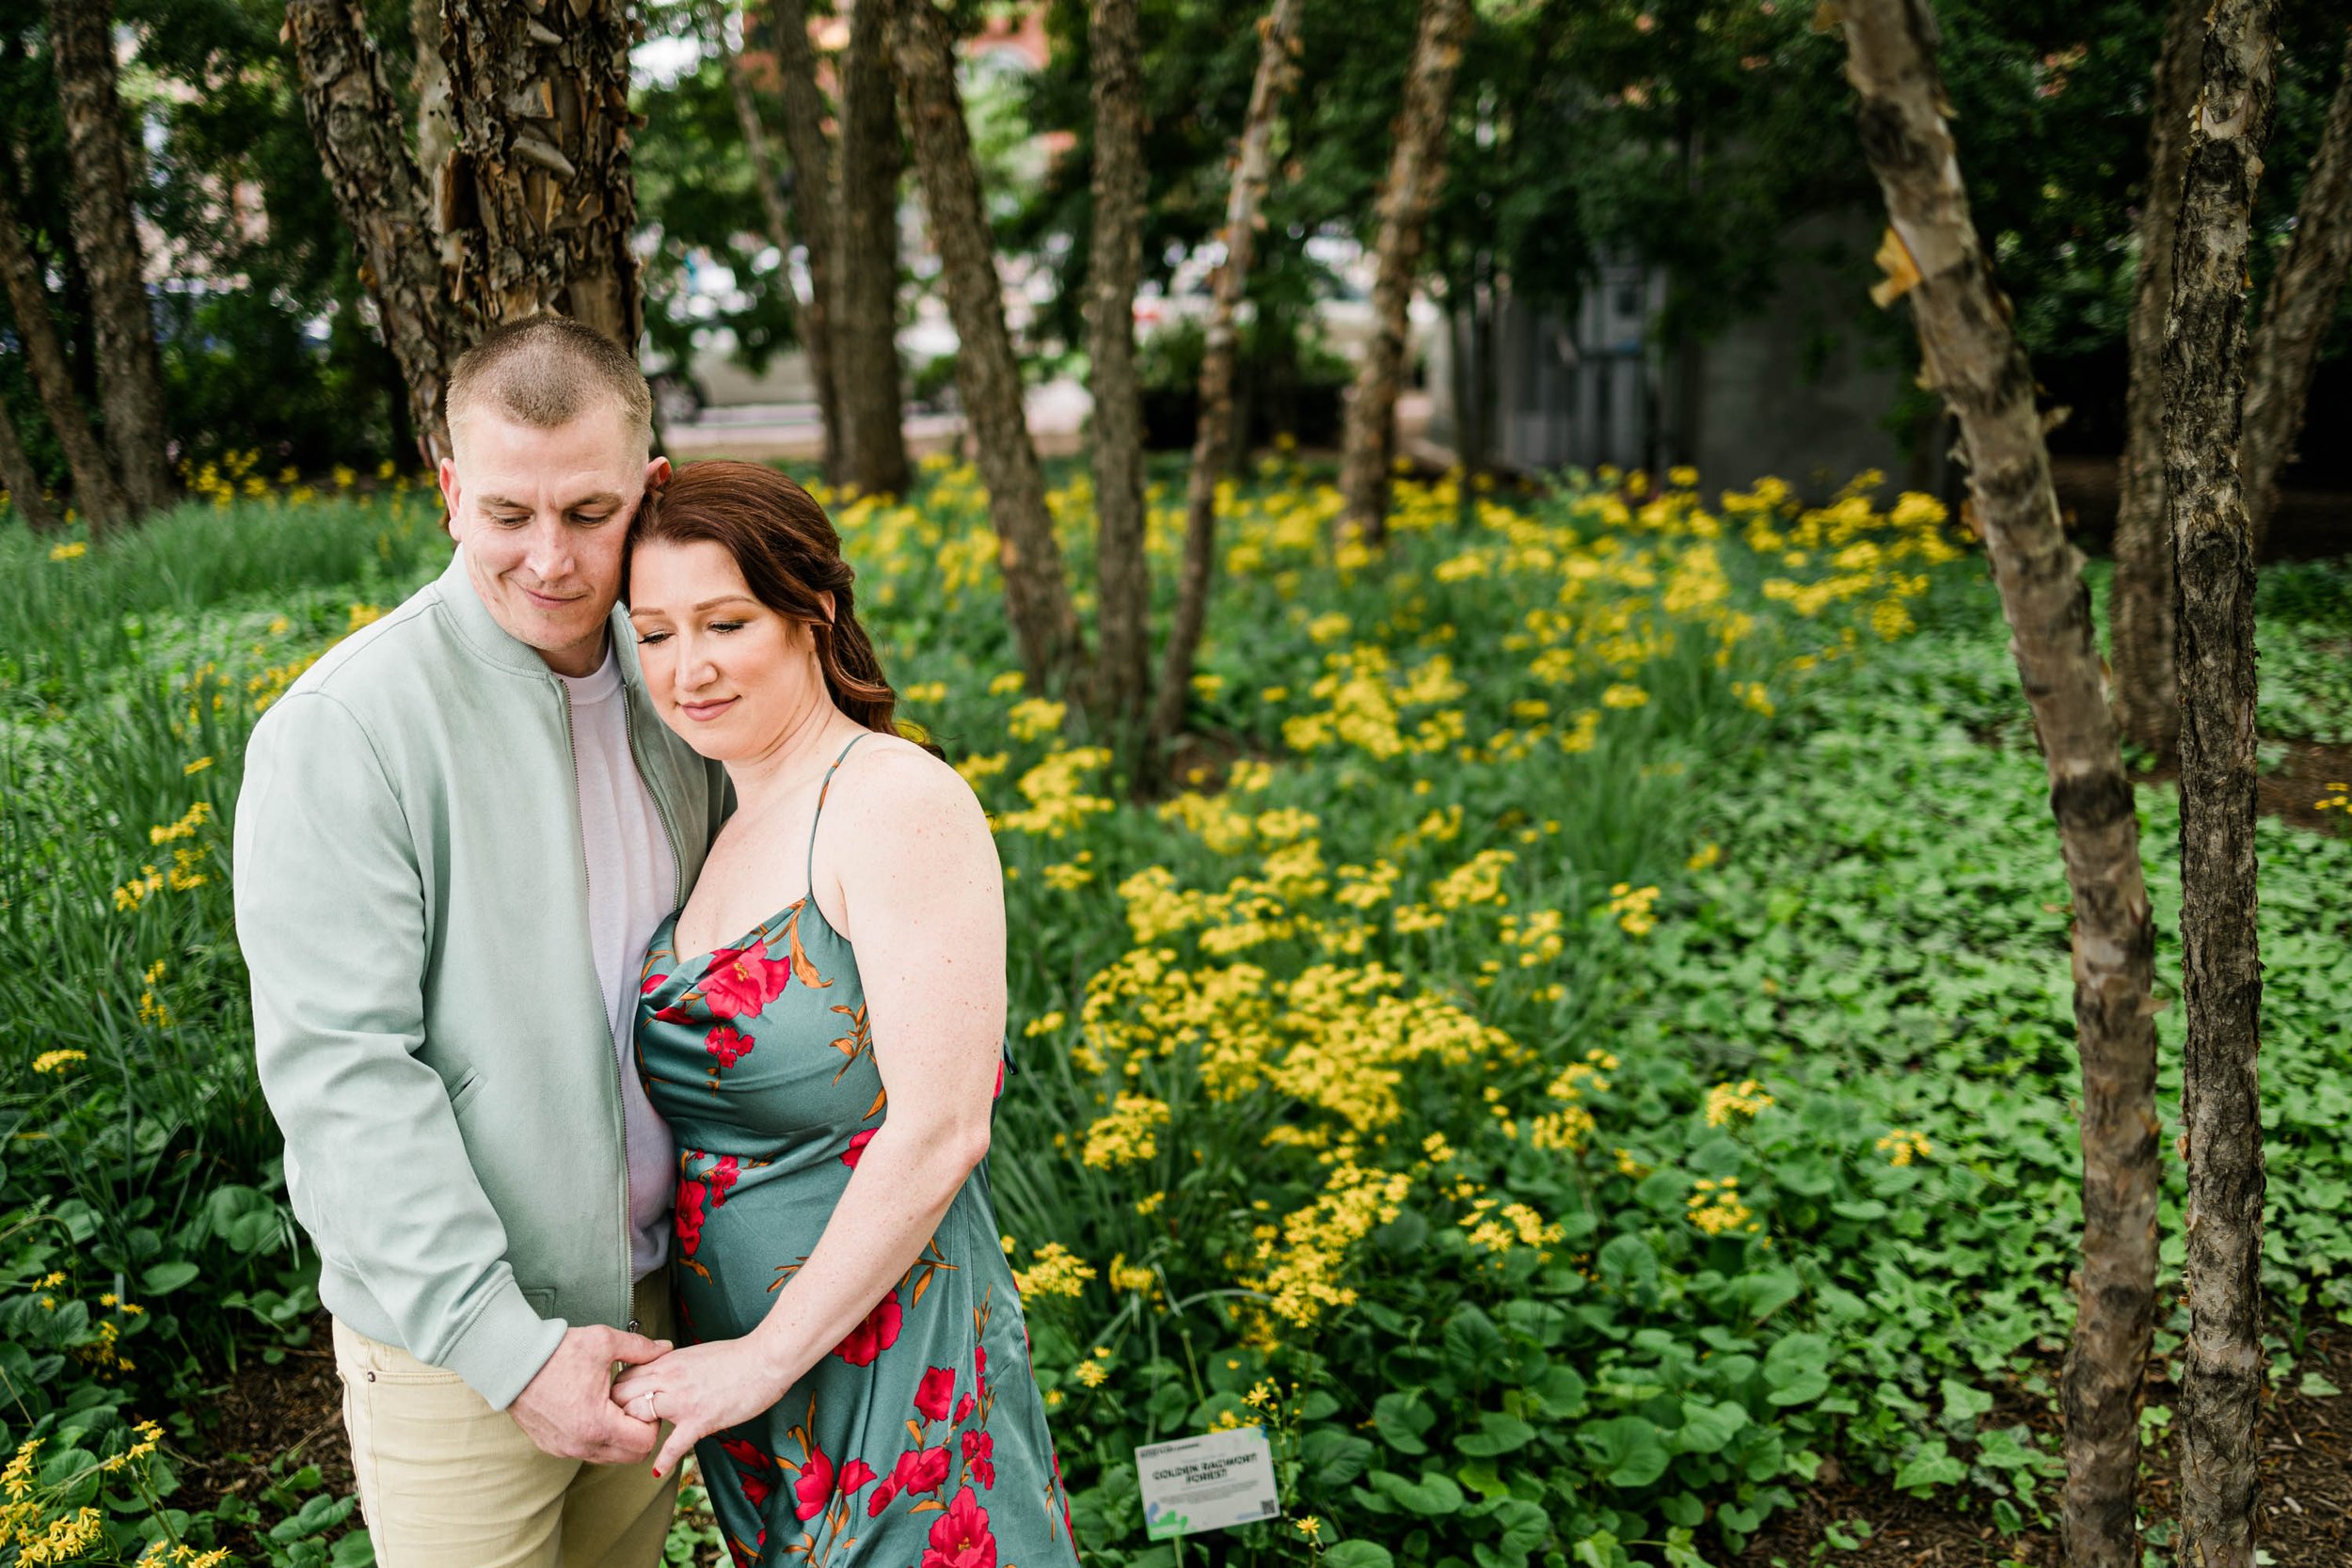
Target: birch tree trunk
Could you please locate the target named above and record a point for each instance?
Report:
(1970, 354)
(2139, 597)
(356, 121)
(539, 190)
(2204, 375)
(23, 484)
(97, 493)
(1416, 169)
(130, 370)
(2297, 311)
(1122, 580)
(988, 375)
(1253, 165)
(866, 340)
(813, 212)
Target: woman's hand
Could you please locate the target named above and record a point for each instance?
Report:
(700, 1389)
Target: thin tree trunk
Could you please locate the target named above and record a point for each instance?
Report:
(866, 338)
(771, 206)
(355, 122)
(813, 212)
(540, 185)
(1416, 169)
(2295, 315)
(1253, 165)
(1974, 359)
(97, 493)
(2139, 597)
(23, 484)
(130, 370)
(2204, 376)
(1122, 673)
(988, 375)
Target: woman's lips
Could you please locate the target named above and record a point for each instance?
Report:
(702, 713)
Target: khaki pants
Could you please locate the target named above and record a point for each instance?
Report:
(445, 1482)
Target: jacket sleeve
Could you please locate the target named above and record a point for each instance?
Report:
(331, 915)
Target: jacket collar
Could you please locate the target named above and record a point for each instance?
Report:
(494, 644)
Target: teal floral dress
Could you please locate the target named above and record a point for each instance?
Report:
(919, 1441)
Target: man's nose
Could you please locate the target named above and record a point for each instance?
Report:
(549, 554)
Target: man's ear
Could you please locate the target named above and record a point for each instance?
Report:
(449, 496)
(656, 473)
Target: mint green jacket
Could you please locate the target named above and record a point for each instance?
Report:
(412, 899)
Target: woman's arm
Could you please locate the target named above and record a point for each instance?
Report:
(924, 893)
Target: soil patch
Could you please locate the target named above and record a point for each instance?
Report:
(2310, 522)
(2303, 1515)
(291, 1414)
(2292, 791)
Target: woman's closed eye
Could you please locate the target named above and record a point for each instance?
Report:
(648, 638)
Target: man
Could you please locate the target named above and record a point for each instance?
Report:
(457, 833)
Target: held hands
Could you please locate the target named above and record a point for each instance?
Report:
(698, 1390)
(567, 1410)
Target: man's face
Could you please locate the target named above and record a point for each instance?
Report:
(542, 514)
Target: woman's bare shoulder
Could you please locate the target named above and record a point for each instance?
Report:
(890, 780)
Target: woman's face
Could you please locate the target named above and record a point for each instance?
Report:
(731, 676)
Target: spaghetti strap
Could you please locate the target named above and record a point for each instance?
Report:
(810, 876)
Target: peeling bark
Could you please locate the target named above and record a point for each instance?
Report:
(1253, 166)
(988, 375)
(355, 122)
(865, 327)
(21, 483)
(2139, 599)
(1123, 672)
(130, 369)
(1416, 169)
(1974, 359)
(538, 191)
(813, 212)
(97, 493)
(2204, 384)
(2297, 311)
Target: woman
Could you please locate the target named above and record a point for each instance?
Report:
(853, 1369)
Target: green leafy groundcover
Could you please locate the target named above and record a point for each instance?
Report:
(1716, 984)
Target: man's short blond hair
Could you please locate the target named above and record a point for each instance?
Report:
(545, 372)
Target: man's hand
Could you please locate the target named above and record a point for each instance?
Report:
(699, 1391)
(567, 1410)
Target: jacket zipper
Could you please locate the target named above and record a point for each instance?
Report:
(587, 883)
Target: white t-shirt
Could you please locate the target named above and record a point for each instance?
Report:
(632, 878)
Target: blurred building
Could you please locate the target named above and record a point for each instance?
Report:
(1800, 388)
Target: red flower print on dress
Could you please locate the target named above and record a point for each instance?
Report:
(674, 1013)
(815, 1487)
(880, 1499)
(855, 1473)
(754, 1470)
(743, 980)
(960, 1537)
(920, 1470)
(980, 1452)
(963, 1408)
(936, 1393)
(730, 1045)
(689, 1216)
(856, 1150)
(723, 1177)
(651, 984)
(877, 1334)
